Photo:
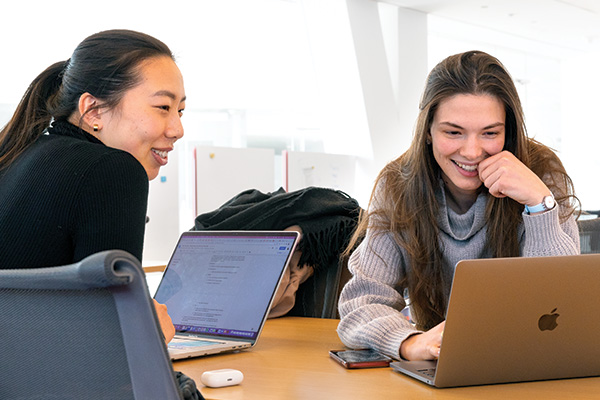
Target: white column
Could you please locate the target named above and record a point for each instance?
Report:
(391, 53)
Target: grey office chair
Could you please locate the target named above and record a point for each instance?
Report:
(82, 331)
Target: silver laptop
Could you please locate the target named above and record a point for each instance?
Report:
(219, 286)
(518, 319)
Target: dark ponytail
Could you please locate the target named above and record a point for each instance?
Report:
(104, 65)
(31, 116)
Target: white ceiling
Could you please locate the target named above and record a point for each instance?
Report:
(574, 24)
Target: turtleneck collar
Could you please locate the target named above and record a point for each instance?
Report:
(460, 226)
(65, 128)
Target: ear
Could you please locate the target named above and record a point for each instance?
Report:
(89, 111)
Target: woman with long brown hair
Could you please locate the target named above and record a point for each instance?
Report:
(471, 185)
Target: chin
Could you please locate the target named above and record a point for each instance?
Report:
(152, 174)
(471, 188)
(468, 186)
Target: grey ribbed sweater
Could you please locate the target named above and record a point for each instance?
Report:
(371, 301)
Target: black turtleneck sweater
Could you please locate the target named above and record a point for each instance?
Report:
(68, 196)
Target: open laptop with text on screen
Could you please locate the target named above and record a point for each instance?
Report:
(518, 319)
(218, 288)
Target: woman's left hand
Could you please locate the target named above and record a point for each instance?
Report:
(506, 176)
(166, 324)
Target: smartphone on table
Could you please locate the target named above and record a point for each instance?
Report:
(362, 358)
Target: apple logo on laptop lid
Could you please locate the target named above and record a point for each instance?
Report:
(547, 322)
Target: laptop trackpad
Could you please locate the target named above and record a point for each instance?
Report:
(184, 343)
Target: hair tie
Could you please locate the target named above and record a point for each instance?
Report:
(61, 73)
(67, 64)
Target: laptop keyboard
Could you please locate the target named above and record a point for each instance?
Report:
(430, 372)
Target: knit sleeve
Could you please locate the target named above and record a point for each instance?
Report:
(547, 234)
(544, 235)
(371, 302)
(110, 208)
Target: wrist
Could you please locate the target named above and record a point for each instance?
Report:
(405, 346)
(547, 203)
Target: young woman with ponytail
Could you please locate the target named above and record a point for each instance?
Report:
(471, 185)
(76, 156)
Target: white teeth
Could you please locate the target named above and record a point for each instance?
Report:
(469, 168)
(162, 154)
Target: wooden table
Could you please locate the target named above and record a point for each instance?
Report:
(291, 361)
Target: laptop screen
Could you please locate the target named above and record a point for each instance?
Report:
(221, 283)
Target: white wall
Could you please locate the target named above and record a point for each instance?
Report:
(580, 129)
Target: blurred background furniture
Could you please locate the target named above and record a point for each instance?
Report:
(589, 232)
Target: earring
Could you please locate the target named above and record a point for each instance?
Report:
(428, 142)
(96, 128)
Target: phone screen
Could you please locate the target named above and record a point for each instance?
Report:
(366, 358)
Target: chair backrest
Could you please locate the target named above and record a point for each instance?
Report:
(589, 235)
(83, 331)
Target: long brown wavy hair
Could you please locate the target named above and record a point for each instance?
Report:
(407, 205)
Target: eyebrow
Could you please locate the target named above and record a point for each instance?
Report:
(169, 94)
(495, 125)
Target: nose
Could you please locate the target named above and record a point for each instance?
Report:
(175, 128)
(472, 148)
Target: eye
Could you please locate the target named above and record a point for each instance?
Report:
(181, 112)
(490, 133)
(164, 108)
(452, 133)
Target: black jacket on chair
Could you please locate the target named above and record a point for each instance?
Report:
(327, 218)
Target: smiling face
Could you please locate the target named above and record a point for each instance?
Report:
(147, 121)
(466, 129)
